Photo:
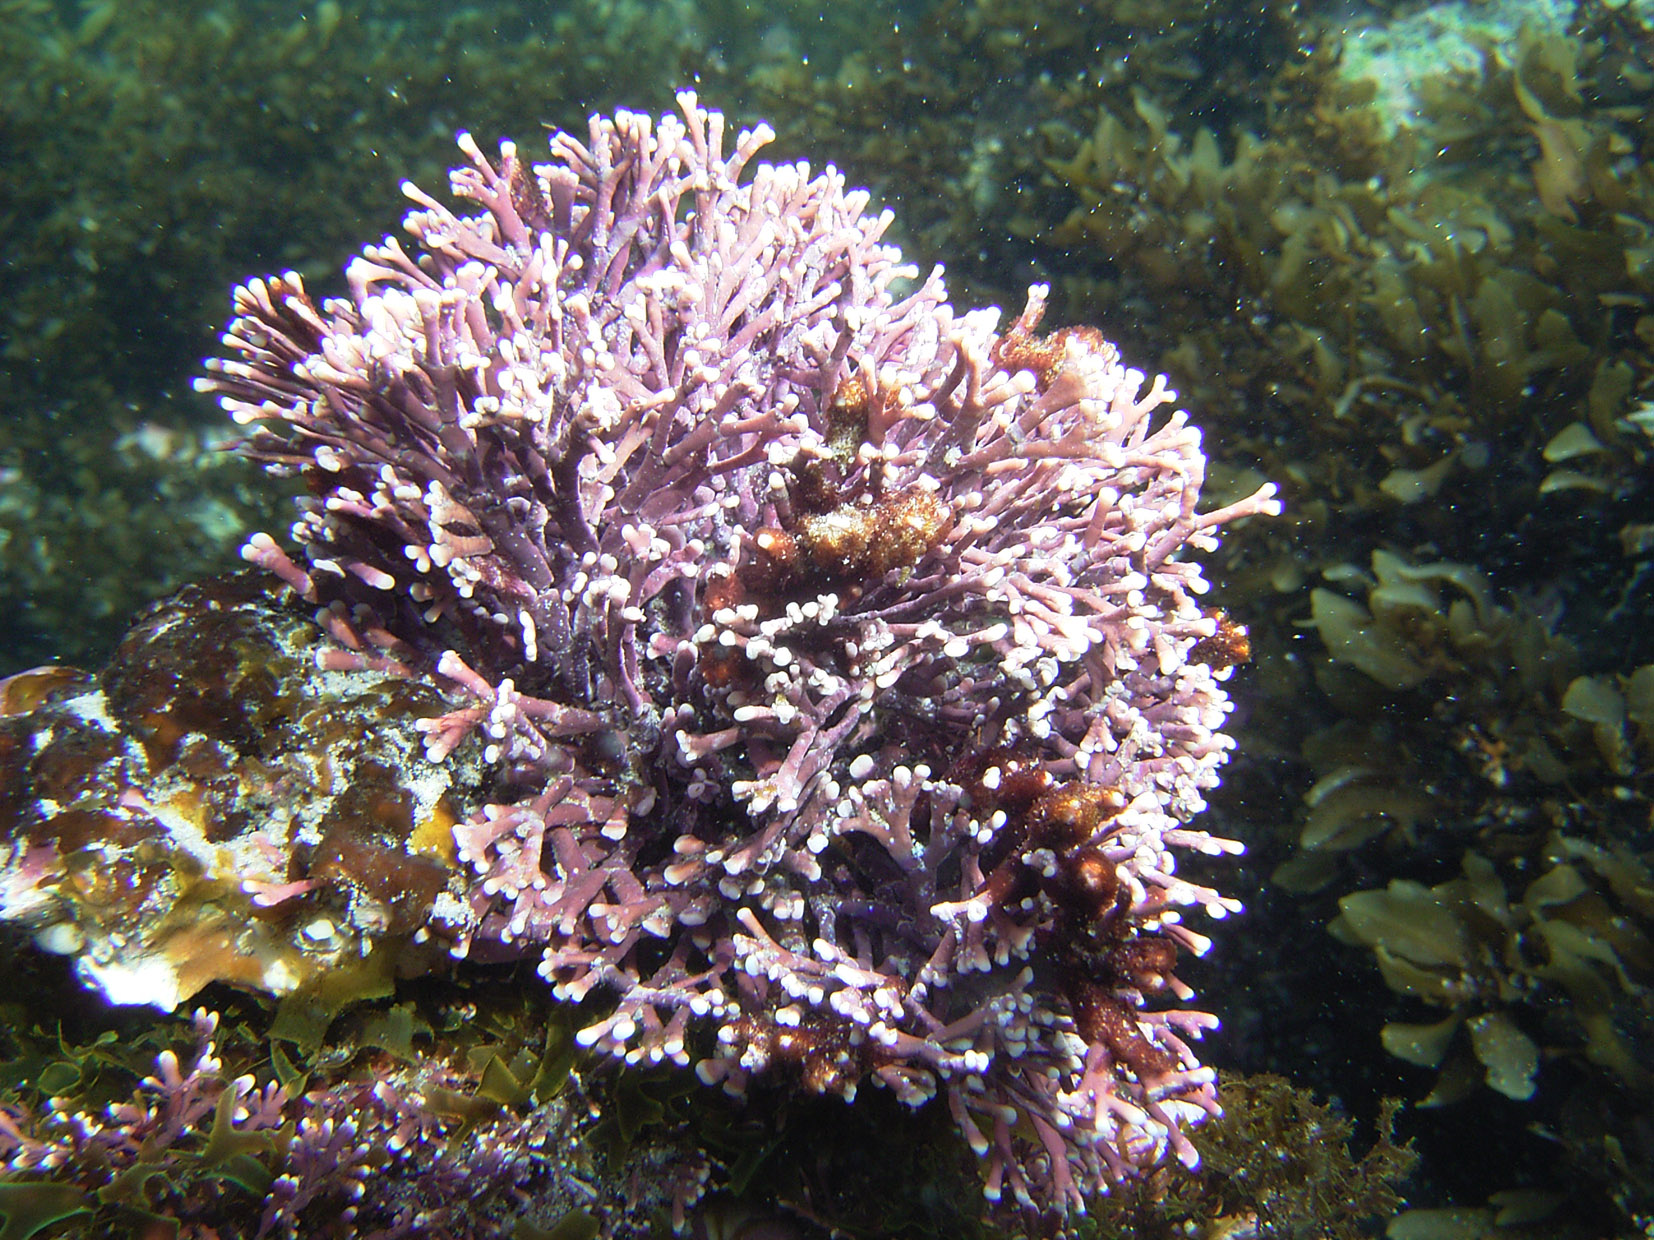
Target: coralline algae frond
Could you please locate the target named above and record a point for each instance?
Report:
(839, 679)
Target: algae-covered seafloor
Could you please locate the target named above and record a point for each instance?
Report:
(1394, 260)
